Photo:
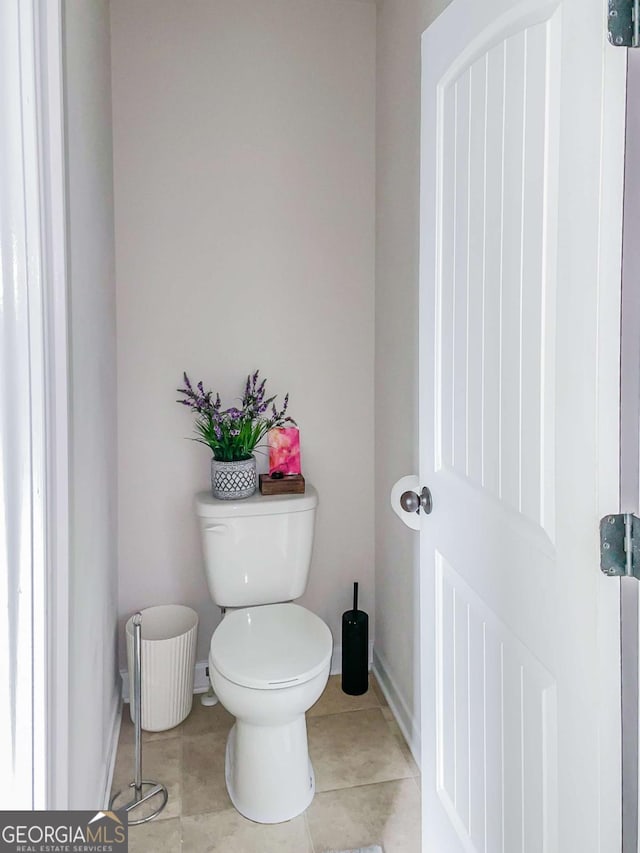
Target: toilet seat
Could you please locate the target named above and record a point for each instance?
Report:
(271, 646)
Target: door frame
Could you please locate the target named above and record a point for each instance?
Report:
(630, 460)
(58, 422)
(33, 205)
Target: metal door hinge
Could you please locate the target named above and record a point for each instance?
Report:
(624, 23)
(620, 545)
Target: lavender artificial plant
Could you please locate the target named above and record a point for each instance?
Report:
(233, 434)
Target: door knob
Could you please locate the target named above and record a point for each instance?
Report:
(412, 502)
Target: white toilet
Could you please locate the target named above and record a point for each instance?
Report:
(269, 659)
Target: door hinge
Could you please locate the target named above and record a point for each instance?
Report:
(620, 545)
(624, 23)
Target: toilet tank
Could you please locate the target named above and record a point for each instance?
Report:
(257, 550)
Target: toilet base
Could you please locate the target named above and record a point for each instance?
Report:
(268, 772)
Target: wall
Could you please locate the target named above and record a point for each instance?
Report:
(94, 685)
(399, 28)
(244, 212)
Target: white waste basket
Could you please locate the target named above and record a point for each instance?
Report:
(169, 635)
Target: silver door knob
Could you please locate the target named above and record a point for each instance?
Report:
(411, 502)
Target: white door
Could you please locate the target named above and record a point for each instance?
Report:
(521, 201)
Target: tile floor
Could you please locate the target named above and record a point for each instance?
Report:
(367, 784)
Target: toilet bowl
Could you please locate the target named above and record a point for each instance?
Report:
(268, 664)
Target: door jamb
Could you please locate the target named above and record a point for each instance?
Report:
(58, 406)
(630, 459)
(33, 205)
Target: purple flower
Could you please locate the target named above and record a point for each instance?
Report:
(222, 430)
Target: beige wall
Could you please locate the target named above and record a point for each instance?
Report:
(244, 205)
(399, 28)
(94, 682)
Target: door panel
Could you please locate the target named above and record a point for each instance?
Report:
(494, 161)
(519, 289)
(496, 710)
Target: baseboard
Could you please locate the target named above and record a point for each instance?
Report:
(409, 725)
(200, 679)
(110, 759)
(336, 659)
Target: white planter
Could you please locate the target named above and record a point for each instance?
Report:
(168, 654)
(232, 481)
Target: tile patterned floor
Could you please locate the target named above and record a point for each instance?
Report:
(367, 784)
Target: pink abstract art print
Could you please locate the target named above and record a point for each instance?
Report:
(284, 450)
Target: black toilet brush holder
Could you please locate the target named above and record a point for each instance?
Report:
(355, 649)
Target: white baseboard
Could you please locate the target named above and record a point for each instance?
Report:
(409, 724)
(336, 659)
(201, 679)
(110, 759)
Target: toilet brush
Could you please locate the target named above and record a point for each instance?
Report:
(154, 788)
(355, 649)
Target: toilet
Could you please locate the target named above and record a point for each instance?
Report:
(269, 658)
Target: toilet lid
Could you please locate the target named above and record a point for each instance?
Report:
(270, 646)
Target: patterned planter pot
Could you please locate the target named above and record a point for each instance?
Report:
(232, 481)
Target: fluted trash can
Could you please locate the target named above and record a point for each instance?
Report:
(169, 634)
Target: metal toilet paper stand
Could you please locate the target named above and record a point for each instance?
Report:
(154, 788)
